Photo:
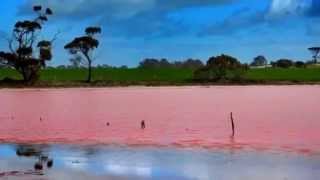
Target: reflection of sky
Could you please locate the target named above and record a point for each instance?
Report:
(152, 163)
(117, 169)
(76, 163)
(7, 151)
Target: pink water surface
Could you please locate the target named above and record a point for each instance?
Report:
(285, 117)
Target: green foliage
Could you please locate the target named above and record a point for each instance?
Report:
(283, 63)
(259, 61)
(93, 30)
(45, 50)
(300, 64)
(26, 26)
(84, 43)
(221, 68)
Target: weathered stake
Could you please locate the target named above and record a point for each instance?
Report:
(143, 124)
(232, 124)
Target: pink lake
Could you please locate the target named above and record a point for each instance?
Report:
(266, 117)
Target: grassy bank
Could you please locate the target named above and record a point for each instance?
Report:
(279, 74)
(170, 76)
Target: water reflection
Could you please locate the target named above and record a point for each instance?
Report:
(114, 162)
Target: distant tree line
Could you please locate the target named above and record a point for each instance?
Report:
(99, 66)
(261, 61)
(287, 63)
(164, 63)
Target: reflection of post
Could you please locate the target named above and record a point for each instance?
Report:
(232, 124)
(35, 151)
(38, 166)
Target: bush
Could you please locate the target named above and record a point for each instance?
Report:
(283, 63)
(259, 61)
(300, 64)
(221, 68)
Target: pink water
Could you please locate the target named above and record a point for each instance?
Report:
(266, 117)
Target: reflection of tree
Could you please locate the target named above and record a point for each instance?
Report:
(29, 150)
(37, 151)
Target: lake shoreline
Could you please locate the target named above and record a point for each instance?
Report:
(104, 84)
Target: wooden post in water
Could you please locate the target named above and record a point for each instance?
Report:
(232, 124)
(143, 124)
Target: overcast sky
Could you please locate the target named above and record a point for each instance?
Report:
(177, 29)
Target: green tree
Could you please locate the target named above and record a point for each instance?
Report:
(23, 43)
(84, 46)
(149, 63)
(283, 63)
(300, 64)
(315, 53)
(259, 61)
(219, 68)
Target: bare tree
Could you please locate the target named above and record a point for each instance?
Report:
(23, 44)
(84, 46)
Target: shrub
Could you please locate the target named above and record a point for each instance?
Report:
(300, 64)
(219, 68)
(259, 61)
(283, 63)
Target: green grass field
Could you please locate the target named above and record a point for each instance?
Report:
(130, 76)
(136, 76)
(279, 74)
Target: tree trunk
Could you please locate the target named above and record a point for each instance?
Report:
(89, 66)
(30, 74)
(89, 72)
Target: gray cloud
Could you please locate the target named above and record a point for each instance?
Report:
(289, 7)
(130, 18)
(117, 9)
(278, 12)
(243, 18)
(79, 9)
(148, 18)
